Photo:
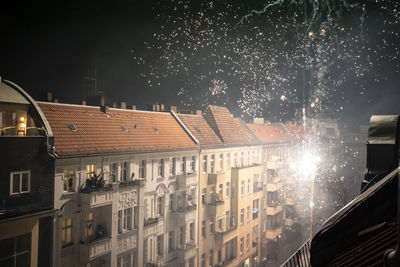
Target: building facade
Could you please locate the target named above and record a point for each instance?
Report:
(26, 184)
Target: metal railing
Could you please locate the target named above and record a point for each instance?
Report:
(301, 258)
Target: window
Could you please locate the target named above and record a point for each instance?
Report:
(220, 189)
(142, 169)
(192, 164)
(114, 172)
(125, 260)
(248, 213)
(90, 171)
(159, 245)
(248, 157)
(220, 162)
(220, 224)
(89, 228)
(241, 245)
(203, 196)
(212, 163)
(125, 220)
(227, 189)
(242, 188)
(128, 219)
(212, 228)
(183, 165)
(235, 159)
(66, 231)
(16, 251)
(204, 163)
(242, 159)
(219, 255)
(241, 216)
(211, 259)
(203, 260)
(191, 231)
(161, 168)
(160, 210)
(20, 182)
(227, 221)
(255, 209)
(124, 171)
(69, 180)
(172, 166)
(171, 241)
(203, 229)
(171, 202)
(248, 186)
(248, 241)
(181, 235)
(228, 161)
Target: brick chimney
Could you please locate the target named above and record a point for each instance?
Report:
(157, 107)
(123, 105)
(133, 107)
(83, 102)
(198, 112)
(173, 108)
(49, 96)
(162, 108)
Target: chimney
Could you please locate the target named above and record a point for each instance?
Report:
(258, 121)
(105, 109)
(133, 107)
(173, 108)
(49, 96)
(114, 105)
(157, 107)
(198, 112)
(55, 100)
(123, 105)
(154, 107)
(162, 108)
(83, 102)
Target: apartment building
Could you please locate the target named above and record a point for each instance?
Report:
(125, 187)
(230, 188)
(279, 202)
(26, 184)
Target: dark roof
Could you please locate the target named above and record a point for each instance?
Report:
(85, 130)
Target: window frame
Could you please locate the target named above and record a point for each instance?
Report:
(20, 173)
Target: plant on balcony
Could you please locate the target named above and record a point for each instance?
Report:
(95, 183)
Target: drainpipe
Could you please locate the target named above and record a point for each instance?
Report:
(391, 258)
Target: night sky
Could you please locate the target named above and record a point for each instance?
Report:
(194, 53)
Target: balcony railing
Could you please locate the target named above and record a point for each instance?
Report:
(300, 258)
(257, 186)
(95, 248)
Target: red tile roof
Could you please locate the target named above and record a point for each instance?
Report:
(297, 129)
(231, 131)
(198, 126)
(118, 131)
(269, 133)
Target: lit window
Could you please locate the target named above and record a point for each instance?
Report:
(66, 231)
(20, 182)
(90, 171)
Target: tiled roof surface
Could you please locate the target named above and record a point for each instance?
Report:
(118, 131)
(231, 130)
(269, 133)
(297, 129)
(200, 129)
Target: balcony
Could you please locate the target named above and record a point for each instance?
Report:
(187, 252)
(185, 214)
(290, 201)
(98, 198)
(186, 180)
(127, 241)
(273, 232)
(275, 164)
(273, 208)
(95, 248)
(226, 235)
(257, 186)
(273, 186)
(153, 226)
(216, 178)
